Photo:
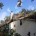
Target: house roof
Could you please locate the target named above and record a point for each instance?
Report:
(18, 17)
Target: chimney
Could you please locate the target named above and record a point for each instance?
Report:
(11, 15)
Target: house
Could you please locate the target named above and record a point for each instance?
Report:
(25, 26)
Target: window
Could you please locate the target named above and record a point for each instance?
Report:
(20, 22)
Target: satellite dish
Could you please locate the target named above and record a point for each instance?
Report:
(19, 3)
(1, 5)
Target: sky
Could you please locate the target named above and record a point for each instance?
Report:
(10, 5)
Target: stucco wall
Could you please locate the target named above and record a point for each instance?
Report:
(27, 26)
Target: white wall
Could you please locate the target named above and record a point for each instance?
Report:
(27, 26)
(11, 25)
